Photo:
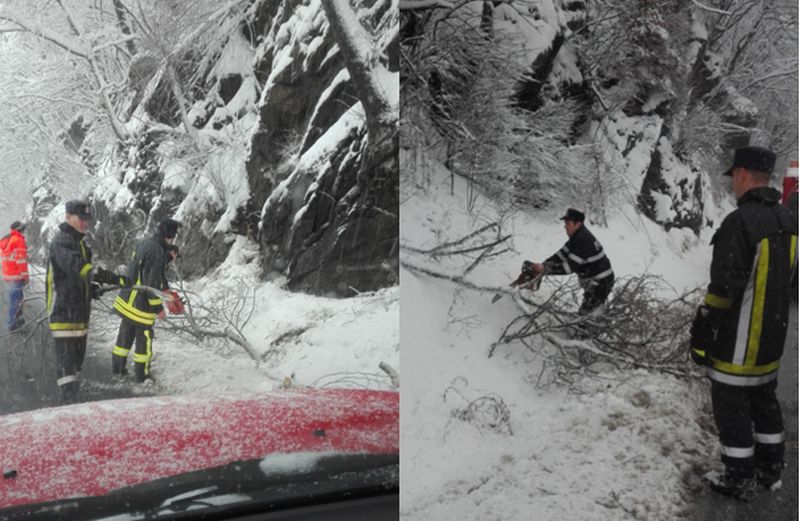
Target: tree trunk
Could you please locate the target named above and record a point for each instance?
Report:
(119, 11)
(353, 40)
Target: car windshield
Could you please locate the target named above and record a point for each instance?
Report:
(275, 483)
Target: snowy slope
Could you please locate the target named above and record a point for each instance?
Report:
(623, 444)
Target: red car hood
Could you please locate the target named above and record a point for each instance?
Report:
(90, 449)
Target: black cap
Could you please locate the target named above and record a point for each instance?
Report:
(574, 216)
(79, 208)
(758, 159)
(168, 228)
(18, 226)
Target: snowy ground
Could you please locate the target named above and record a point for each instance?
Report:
(316, 342)
(626, 447)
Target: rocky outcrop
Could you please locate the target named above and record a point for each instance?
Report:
(276, 150)
(330, 201)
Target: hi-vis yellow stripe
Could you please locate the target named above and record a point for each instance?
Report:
(49, 287)
(744, 370)
(793, 251)
(131, 311)
(134, 314)
(61, 326)
(718, 302)
(757, 318)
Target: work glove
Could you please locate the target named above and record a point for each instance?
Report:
(528, 272)
(703, 334)
(95, 290)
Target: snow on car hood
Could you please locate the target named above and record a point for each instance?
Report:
(90, 449)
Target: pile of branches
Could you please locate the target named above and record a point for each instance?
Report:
(221, 320)
(636, 328)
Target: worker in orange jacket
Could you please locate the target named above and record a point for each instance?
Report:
(14, 255)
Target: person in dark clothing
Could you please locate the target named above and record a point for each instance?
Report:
(70, 279)
(739, 331)
(138, 309)
(584, 256)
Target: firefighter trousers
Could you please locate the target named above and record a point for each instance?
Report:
(128, 334)
(70, 352)
(750, 426)
(595, 293)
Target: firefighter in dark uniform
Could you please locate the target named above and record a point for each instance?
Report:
(139, 309)
(584, 256)
(740, 329)
(71, 284)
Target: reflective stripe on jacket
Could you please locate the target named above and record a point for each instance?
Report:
(147, 267)
(755, 253)
(68, 298)
(582, 255)
(14, 256)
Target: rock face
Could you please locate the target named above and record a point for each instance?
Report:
(340, 250)
(276, 151)
(315, 225)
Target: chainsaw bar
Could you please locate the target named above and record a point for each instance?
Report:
(532, 285)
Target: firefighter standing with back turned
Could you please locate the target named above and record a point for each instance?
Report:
(740, 329)
(139, 309)
(71, 284)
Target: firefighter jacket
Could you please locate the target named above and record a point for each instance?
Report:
(582, 255)
(68, 279)
(755, 254)
(14, 254)
(148, 266)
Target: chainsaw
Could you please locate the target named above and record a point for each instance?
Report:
(530, 278)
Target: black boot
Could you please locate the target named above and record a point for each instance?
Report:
(68, 393)
(769, 475)
(118, 364)
(740, 488)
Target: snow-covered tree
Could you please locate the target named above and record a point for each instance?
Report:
(461, 74)
(656, 94)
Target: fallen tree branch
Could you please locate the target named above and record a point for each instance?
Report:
(636, 329)
(458, 279)
(386, 368)
(434, 251)
(474, 248)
